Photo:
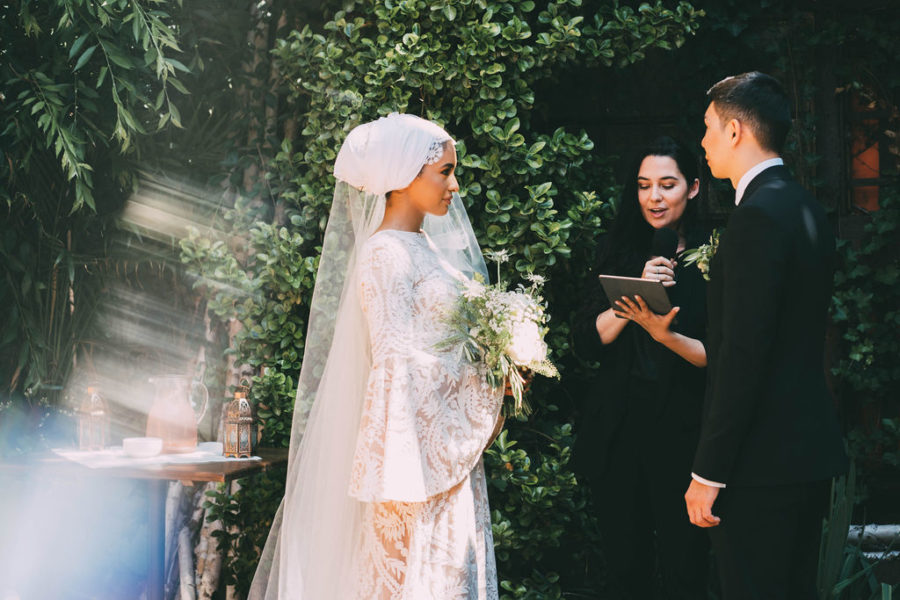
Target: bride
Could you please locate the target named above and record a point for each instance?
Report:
(386, 494)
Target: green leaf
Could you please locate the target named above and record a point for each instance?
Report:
(135, 25)
(86, 56)
(177, 85)
(76, 47)
(129, 119)
(177, 64)
(174, 115)
(117, 56)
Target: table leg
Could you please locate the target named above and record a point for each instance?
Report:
(156, 569)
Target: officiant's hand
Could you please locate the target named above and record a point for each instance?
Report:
(660, 268)
(699, 499)
(637, 310)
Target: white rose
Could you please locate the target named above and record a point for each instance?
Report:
(527, 345)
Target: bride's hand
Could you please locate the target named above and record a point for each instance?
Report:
(661, 269)
(637, 310)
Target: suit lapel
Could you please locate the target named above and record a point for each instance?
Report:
(776, 173)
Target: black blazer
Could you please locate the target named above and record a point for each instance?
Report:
(769, 418)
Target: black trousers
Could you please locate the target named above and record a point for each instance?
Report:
(767, 545)
(651, 549)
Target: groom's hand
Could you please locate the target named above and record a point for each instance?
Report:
(700, 499)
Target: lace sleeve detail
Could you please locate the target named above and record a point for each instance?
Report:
(427, 414)
(386, 277)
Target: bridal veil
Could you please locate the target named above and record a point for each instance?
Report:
(314, 535)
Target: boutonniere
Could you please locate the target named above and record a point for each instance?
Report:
(703, 255)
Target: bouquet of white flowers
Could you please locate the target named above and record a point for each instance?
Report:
(505, 330)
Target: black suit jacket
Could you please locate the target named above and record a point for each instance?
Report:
(769, 418)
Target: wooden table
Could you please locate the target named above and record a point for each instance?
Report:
(157, 478)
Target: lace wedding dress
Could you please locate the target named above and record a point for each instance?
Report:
(428, 414)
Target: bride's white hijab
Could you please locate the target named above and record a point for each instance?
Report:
(312, 543)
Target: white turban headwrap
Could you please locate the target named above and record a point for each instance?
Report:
(387, 154)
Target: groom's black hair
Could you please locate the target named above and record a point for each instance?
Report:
(757, 100)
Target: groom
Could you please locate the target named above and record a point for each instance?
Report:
(770, 440)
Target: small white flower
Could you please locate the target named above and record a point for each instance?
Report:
(537, 280)
(498, 256)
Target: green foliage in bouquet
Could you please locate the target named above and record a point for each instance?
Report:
(531, 188)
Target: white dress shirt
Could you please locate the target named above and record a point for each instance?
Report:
(753, 172)
(738, 196)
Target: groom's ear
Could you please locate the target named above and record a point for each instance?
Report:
(735, 130)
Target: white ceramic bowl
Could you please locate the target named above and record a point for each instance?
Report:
(142, 447)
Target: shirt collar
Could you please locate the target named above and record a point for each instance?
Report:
(749, 175)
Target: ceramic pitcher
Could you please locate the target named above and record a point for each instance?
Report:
(173, 416)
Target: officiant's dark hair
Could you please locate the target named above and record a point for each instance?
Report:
(757, 100)
(631, 236)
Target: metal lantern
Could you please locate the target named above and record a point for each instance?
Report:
(93, 421)
(240, 426)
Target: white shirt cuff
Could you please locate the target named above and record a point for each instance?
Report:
(707, 481)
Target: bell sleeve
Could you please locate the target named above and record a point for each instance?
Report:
(428, 414)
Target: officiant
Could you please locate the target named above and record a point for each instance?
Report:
(639, 421)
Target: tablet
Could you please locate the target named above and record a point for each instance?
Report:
(653, 292)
